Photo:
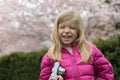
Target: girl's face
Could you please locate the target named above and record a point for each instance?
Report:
(67, 33)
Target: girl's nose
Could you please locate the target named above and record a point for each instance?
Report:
(67, 30)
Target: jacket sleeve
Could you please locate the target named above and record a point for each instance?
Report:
(46, 67)
(102, 67)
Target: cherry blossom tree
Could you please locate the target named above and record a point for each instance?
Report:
(26, 25)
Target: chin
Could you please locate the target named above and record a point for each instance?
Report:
(67, 43)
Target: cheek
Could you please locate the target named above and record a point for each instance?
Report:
(59, 33)
(76, 35)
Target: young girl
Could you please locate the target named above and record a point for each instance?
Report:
(80, 59)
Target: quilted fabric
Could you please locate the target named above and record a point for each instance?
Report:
(98, 65)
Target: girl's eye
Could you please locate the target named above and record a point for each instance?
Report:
(61, 27)
(72, 27)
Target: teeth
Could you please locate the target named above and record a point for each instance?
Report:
(66, 36)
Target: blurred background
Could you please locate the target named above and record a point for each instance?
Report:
(26, 25)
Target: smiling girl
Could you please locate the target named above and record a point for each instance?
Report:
(81, 59)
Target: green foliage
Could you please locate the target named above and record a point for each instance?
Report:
(107, 1)
(111, 49)
(117, 25)
(21, 66)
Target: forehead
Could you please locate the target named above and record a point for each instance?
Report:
(69, 22)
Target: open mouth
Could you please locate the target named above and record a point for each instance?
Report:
(67, 37)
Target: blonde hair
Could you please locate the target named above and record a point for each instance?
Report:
(83, 46)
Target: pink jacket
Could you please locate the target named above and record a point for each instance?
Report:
(83, 71)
